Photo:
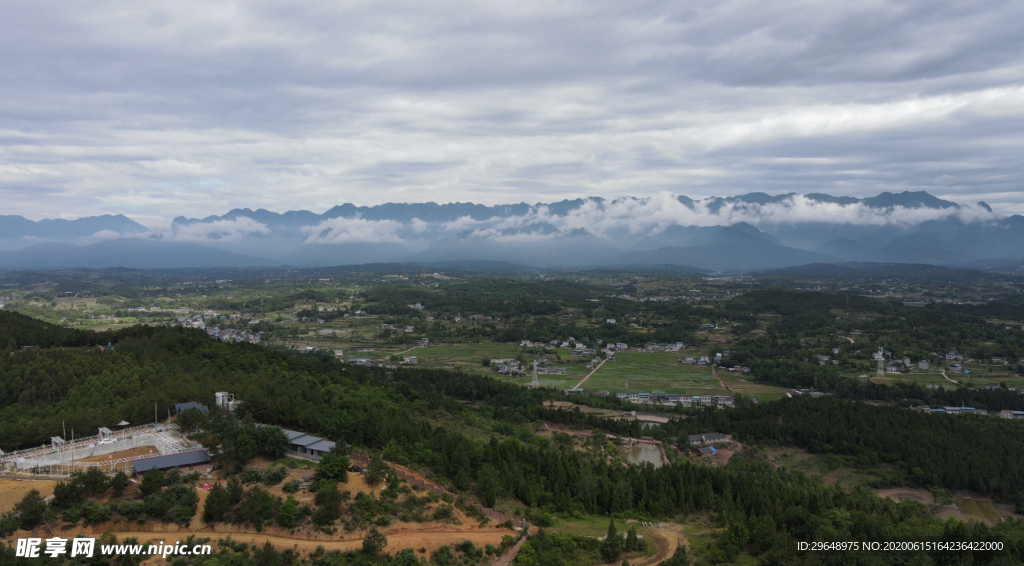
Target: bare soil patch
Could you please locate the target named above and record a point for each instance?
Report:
(12, 491)
(899, 494)
(132, 453)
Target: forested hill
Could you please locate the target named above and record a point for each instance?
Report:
(17, 330)
(980, 454)
(417, 418)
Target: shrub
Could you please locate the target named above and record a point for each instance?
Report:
(274, 476)
(442, 513)
(118, 483)
(30, 509)
(94, 513)
(152, 482)
(288, 515)
(218, 503)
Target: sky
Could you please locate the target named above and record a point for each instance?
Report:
(160, 109)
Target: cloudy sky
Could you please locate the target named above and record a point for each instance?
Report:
(158, 109)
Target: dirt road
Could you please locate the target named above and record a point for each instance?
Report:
(668, 538)
(589, 374)
(397, 539)
(714, 370)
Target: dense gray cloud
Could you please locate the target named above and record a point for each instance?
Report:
(167, 108)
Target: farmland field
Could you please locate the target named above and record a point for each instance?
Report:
(650, 372)
(969, 507)
(988, 511)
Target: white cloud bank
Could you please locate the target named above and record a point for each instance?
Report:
(352, 230)
(632, 217)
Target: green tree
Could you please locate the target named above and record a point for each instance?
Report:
(152, 481)
(612, 548)
(30, 510)
(192, 421)
(375, 471)
(266, 556)
(235, 490)
(333, 466)
(374, 542)
(240, 449)
(93, 481)
(680, 558)
(273, 441)
(632, 541)
(256, 507)
(218, 503)
(288, 515)
(118, 483)
(66, 495)
(328, 501)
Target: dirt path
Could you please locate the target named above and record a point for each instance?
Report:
(589, 374)
(510, 555)
(407, 351)
(397, 539)
(714, 370)
(948, 379)
(665, 548)
(668, 539)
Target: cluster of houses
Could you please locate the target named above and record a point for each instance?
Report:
(158, 309)
(405, 327)
(667, 399)
(234, 335)
(1005, 414)
(507, 366)
(581, 349)
(373, 363)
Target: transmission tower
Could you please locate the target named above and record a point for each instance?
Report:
(880, 358)
(535, 383)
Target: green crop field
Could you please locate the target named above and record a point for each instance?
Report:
(653, 372)
(762, 392)
(989, 511)
(969, 507)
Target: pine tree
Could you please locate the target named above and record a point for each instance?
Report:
(612, 549)
(632, 541)
(218, 502)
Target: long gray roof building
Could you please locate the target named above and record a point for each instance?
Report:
(171, 461)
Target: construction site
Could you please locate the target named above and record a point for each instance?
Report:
(107, 450)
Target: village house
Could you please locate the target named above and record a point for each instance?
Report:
(707, 438)
(305, 445)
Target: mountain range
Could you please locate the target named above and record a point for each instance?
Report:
(756, 231)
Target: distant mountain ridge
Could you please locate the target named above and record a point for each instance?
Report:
(434, 212)
(21, 227)
(756, 231)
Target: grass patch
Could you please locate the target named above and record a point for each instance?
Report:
(988, 511)
(970, 508)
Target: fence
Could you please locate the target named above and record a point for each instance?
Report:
(63, 460)
(434, 488)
